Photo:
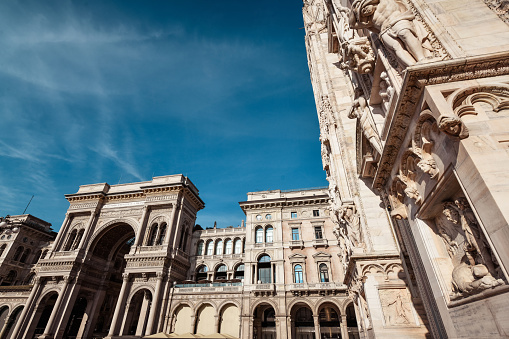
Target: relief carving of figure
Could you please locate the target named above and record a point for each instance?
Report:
(474, 267)
(350, 218)
(395, 308)
(407, 174)
(360, 111)
(386, 90)
(395, 25)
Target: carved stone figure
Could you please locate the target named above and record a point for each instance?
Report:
(453, 126)
(350, 219)
(407, 174)
(428, 166)
(386, 91)
(468, 279)
(395, 307)
(395, 26)
(360, 110)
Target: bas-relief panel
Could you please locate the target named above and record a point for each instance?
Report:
(397, 307)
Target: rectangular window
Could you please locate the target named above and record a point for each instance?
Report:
(295, 234)
(316, 213)
(294, 215)
(318, 232)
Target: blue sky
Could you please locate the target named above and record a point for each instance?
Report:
(120, 91)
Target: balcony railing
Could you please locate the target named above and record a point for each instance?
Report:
(316, 286)
(320, 242)
(208, 288)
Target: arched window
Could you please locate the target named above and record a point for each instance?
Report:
(199, 250)
(37, 256)
(269, 232)
(186, 235)
(297, 274)
(228, 247)
(25, 255)
(239, 272)
(264, 269)
(219, 247)
(324, 273)
(201, 273)
(2, 249)
(259, 235)
(43, 255)
(238, 246)
(210, 247)
(221, 272)
(78, 239)
(9, 280)
(18, 252)
(152, 236)
(162, 234)
(70, 240)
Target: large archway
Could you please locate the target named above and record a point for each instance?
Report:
(330, 321)
(264, 325)
(229, 322)
(43, 312)
(106, 257)
(303, 326)
(182, 319)
(205, 320)
(12, 320)
(137, 314)
(76, 318)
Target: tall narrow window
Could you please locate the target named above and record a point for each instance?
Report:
(269, 234)
(238, 246)
(295, 234)
(162, 234)
(324, 273)
(264, 269)
(219, 247)
(259, 235)
(297, 274)
(70, 240)
(316, 213)
(228, 247)
(318, 232)
(25, 255)
(152, 236)
(78, 239)
(210, 247)
(18, 252)
(221, 272)
(199, 250)
(239, 272)
(2, 249)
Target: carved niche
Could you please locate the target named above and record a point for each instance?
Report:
(475, 267)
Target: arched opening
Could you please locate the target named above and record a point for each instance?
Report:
(12, 320)
(152, 235)
(70, 240)
(228, 246)
(201, 273)
(264, 269)
(162, 234)
(25, 255)
(269, 234)
(230, 321)
(78, 239)
(330, 326)
(324, 273)
(238, 246)
(259, 235)
(239, 272)
(303, 326)
(351, 322)
(200, 247)
(2, 249)
(43, 312)
(205, 320)
(107, 258)
(4, 312)
(264, 322)
(76, 318)
(182, 319)
(18, 252)
(221, 272)
(138, 311)
(210, 247)
(219, 247)
(10, 278)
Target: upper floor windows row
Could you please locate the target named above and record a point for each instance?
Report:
(219, 247)
(156, 234)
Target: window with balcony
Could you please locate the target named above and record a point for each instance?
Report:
(318, 232)
(297, 274)
(269, 234)
(295, 234)
(201, 273)
(264, 269)
(324, 273)
(228, 247)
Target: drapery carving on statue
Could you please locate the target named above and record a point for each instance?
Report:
(350, 218)
(356, 52)
(360, 111)
(425, 134)
(407, 174)
(396, 26)
(496, 96)
(396, 306)
(397, 196)
(475, 268)
(345, 246)
(453, 126)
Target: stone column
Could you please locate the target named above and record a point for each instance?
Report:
(84, 238)
(56, 309)
(143, 315)
(93, 314)
(344, 328)
(170, 224)
(155, 303)
(120, 305)
(60, 234)
(316, 320)
(28, 306)
(216, 323)
(139, 233)
(193, 323)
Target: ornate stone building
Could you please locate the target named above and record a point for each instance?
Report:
(413, 104)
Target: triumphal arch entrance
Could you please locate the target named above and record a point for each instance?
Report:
(113, 262)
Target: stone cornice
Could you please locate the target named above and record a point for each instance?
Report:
(416, 78)
(371, 257)
(284, 202)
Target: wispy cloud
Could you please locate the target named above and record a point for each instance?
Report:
(126, 166)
